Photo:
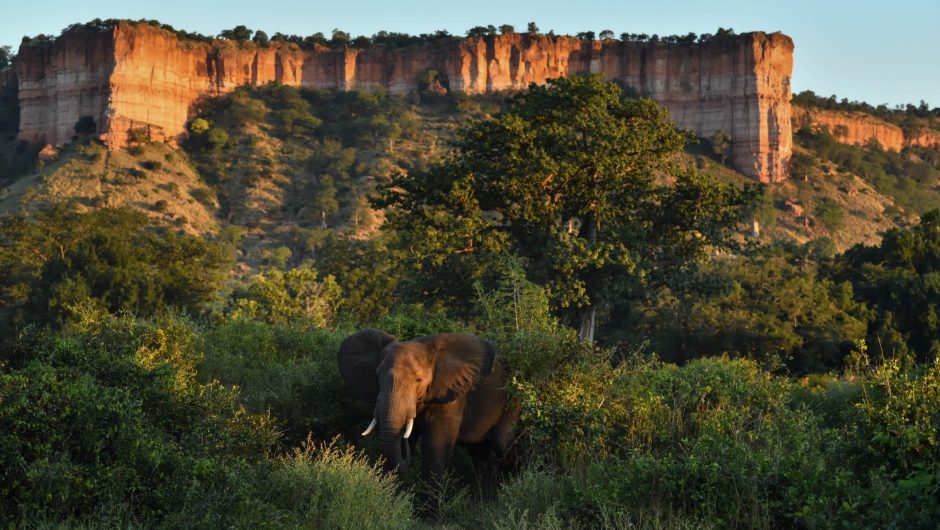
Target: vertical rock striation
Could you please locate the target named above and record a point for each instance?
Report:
(132, 76)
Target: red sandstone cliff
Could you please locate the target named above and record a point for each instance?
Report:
(134, 75)
(857, 128)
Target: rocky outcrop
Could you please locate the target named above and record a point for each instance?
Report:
(858, 128)
(136, 77)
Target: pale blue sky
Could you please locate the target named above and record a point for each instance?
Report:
(879, 52)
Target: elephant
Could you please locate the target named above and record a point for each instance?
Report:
(433, 392)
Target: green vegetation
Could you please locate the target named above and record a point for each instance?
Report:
(729, 385)
(57, 262)
(565, 179)
(909, 177)
(207, 426)
(333, 147)
(107, 425)
(900, 278)
(6, 57)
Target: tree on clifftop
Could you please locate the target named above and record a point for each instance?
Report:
(238, 33)
(567, 178)
(6, 57)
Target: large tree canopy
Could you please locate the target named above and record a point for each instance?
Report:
(574, 178)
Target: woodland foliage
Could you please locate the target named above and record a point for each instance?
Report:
(728, 386)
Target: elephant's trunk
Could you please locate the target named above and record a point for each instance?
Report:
(395, 417)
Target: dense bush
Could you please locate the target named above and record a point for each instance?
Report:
(198, 424)
(715, 443)
(723, 444)
(776, 307)
(289, 370)
(114, 259)
(285, 297)
(110, 425)
(900, 278)
(110, 417)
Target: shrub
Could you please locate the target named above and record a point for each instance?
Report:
(151, 165)
(830, 214)
(85, 125)
(204, 196)
(289, 370)
(293, 296)
(59, 259)
(338, 488)
(407, 322)
(110, 417)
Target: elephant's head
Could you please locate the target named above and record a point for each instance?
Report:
(404, 377)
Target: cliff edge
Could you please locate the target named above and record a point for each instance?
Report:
(858, 128)
(136, 77)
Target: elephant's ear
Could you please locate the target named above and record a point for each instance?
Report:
(461, 360)
(359, 355)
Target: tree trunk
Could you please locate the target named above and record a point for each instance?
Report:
(586, 331)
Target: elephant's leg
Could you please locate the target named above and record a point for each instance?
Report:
(436, 446)
(484, 469)
(437, 443)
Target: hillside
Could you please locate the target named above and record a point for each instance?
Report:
(152, 178)
(291, 167)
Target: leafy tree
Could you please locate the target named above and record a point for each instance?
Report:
(606, 34)
(362, 42)
(238, 34)
(566, 178)
(900, 278)
(199, 126)
(801, 166)
(112, 258)
(340, 38)
(774, 307)
(217, 138)
(506, 29)
(478, 31)
(297, 295)
(532, 29)
(830, 214)
(6, 57)
(317, 39)
(85, 126)
(260, 38)
(367, 270)
(721, 144)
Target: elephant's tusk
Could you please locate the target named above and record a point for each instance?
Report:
(372, 425)
(411, 423)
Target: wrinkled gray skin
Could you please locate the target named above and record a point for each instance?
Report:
(448, 383)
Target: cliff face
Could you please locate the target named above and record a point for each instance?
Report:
(134, 76)
(857, 128)
(60, 82)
